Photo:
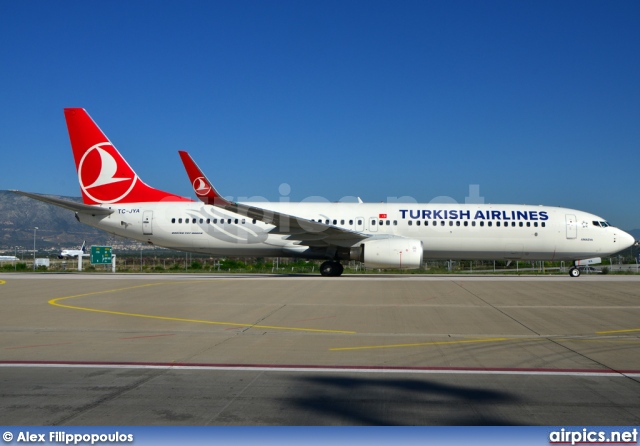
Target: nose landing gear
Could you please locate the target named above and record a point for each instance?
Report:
(574, 272)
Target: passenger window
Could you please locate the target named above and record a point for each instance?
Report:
(208, 220)
(395, 222)
(201, 221)
(513, 224)
(450, 222)
(342, 222)
(351, 222)
(543, 224)
(442, 223)
(359, 222)
(466, 223)
(481, 223)
(326, 222)
(489, 224)
(335, 222)
(373, 222)
(410, 223)
(173, 220)
(528, 224)
(458, 223)
(243, 221)
(381, 223)
(520, 224)
(535, 224)
(498, 224)
(235, 221)
(253, 221)
(473, 223)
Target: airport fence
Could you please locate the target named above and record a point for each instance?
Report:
(194, 264)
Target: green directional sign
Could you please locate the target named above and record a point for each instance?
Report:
(101, 255)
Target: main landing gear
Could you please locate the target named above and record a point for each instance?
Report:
(574, 272)
(331, 268)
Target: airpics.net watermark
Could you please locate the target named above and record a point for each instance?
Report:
(590, 436)
(285, 191)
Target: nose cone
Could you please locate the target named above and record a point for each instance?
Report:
(626, 240)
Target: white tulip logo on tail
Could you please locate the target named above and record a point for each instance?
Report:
(201, 186)
(104, 176)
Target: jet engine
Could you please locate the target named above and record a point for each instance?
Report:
(398, 252)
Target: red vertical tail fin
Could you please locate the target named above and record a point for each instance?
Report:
(105, 176)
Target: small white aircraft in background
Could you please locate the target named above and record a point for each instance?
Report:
(74, 253)
(8, 258)
(381, 235)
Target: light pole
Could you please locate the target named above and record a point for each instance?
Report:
(34, 247)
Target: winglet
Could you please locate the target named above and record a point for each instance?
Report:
(201, 185)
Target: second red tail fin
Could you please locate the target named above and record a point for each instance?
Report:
(201, 185)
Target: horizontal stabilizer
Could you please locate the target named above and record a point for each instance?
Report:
(71, 205)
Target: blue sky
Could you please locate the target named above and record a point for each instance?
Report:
(537, 102)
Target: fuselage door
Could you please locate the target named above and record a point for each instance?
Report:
(572, 227)
(147, 218)
(359, 224)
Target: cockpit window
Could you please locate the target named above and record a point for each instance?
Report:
(602, 224)
(596, 223)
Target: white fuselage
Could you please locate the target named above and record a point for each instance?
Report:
(70, 253)
(447, 231)
(8, 258)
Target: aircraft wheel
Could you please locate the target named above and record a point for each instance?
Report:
(574, 272)
(331, 269)
(326, 269)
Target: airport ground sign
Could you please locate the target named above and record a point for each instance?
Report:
(101, 255)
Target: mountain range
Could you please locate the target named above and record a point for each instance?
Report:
(57, 227)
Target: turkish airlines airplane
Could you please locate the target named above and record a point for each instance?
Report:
(381, 235)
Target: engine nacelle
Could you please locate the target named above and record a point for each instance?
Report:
(398, 253)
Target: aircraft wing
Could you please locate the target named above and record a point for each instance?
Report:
(307, 232)
(71, 205)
